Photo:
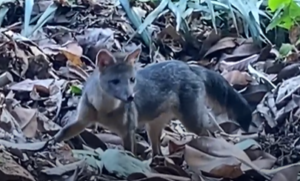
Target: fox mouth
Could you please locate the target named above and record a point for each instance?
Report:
(125, 100)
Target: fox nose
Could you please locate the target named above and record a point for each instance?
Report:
(130, 98)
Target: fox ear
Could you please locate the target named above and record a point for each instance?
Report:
(104, 59)
(133, 56)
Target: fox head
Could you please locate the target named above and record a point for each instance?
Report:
(117, 76)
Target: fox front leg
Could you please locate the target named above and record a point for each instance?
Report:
(70, 130)
(131, 124)
(130, 142)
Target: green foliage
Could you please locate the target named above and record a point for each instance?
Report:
(248, 11)
(286, 13)
(133, 17)
(3, 12)
(46, 16)
(4, 9)
(76, 90)
(119, 162)
(285, 49)
(28, 10)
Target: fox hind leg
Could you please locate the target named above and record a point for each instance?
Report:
(194, 115)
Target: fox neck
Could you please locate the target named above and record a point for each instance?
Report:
(108, 102)
(104, 102)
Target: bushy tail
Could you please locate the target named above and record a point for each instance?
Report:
(219, 89)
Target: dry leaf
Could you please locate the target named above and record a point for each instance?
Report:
(287, 174)
(11, 170)
(73, 52)
(27, 119)
(294, 34)
(236, 77)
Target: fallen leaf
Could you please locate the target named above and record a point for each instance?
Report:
(237, 78)
(287, 88)
(239, 65)
(73, 52)
(28, 85)
(289, 72)
(227, 167)
(11, 170)
(219, 148)
(287, 174)
(294, 34)
(255, 93)
(60, 170)
(246, 49)
(224, 43)
(122, 164)
(27, 119)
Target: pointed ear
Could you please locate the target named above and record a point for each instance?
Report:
(133, 56)
(104, 58)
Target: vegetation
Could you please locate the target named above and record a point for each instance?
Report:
(48, 50)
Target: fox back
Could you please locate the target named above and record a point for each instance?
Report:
(174, 89)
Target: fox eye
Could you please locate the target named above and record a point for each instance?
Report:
(132, 79)
(115, 81)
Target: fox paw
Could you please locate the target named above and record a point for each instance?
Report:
(49, 144)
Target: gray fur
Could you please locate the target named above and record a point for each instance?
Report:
(163, 91)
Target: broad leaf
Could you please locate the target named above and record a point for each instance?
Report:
(47, 15)
(274, 4)
(28, 10)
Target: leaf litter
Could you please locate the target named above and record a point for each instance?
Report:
(44, 68)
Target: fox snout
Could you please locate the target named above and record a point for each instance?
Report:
(130, 98)
(127, 96)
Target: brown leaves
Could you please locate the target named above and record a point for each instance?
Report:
(42, 78)
(73, 53)
(294, 34)
(237, 78)
(289, 173)
(27, 119)
(11, 170)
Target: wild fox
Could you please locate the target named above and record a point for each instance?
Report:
(119, 98)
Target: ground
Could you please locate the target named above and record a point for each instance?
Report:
(46, 62)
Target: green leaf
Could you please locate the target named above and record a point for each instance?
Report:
(274, 4)
(76, 90)
(133, 17)
(212, 11)
(285, 49)
(91, 157)
(123, 164)
(182, 6)
(273, 24)
(280, 18)
(152, 16)
(286, 24)
(3, 12)
(197, 7)
(233, 16)
(177, 14)
(246, 144)
(28, 10)
(249, 12)
(294, 10)
(187, 13)
(7, 2)
(47, 15)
